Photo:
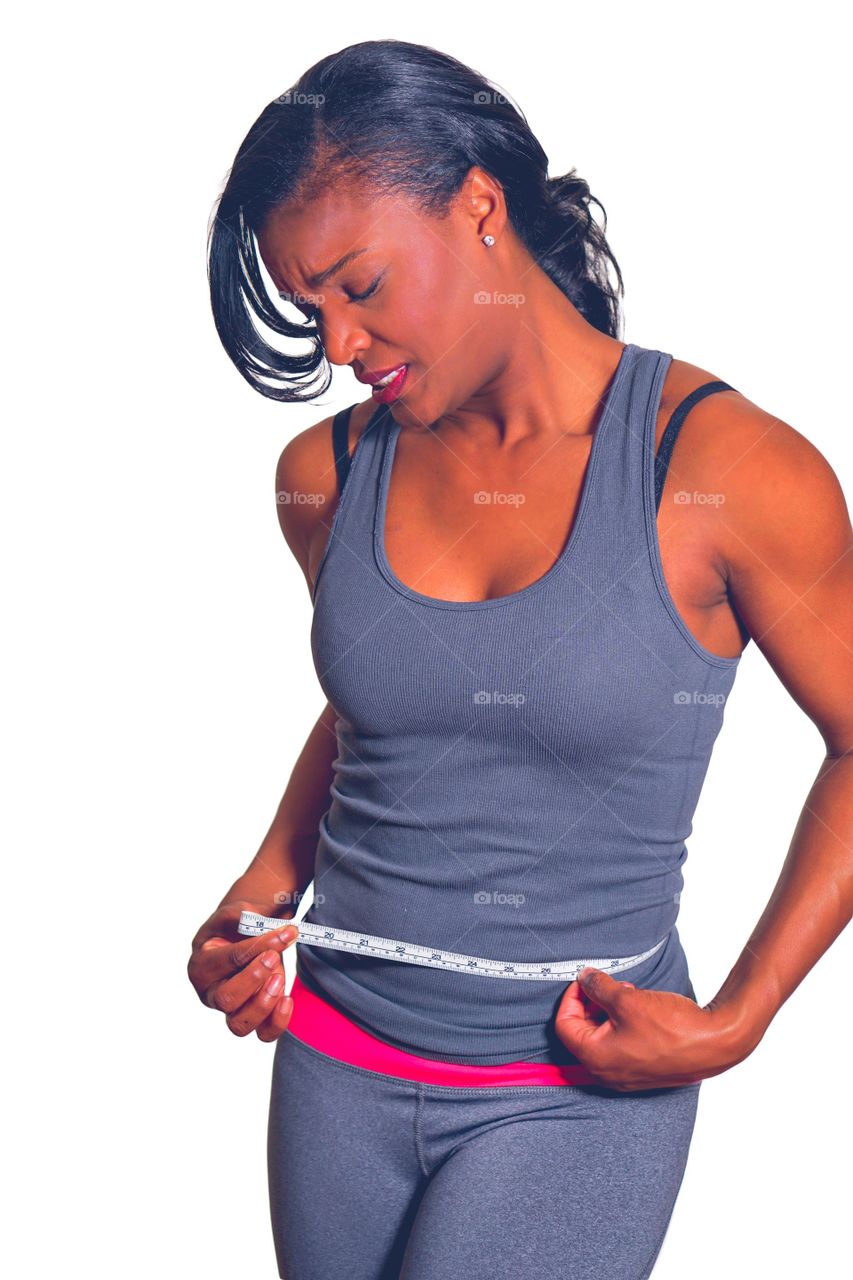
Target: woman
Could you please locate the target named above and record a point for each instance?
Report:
(528, 614)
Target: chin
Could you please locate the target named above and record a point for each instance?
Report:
(401, 413)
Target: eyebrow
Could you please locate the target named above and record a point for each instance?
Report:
(322, 276)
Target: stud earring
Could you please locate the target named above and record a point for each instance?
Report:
(488, 240)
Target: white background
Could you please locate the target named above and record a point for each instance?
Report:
(159, 681)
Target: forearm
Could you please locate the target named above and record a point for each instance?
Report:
(811, 904)
(283, 867)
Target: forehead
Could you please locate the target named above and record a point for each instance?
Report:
(299, 240)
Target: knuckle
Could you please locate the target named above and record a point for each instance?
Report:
(216, 998)
(225, 1001)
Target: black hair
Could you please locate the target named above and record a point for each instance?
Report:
(403, 117)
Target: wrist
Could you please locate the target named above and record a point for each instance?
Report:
(745, 1005)
(270, 893)
(737, 1029)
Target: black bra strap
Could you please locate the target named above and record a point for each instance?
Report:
(340, 445)
(340, 439)
(668, 438)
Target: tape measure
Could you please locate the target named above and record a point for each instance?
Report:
(367, 944)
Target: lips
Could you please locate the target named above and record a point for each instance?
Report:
(388, 392)
(372, 378)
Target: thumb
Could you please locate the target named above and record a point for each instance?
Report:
(601, 987)
(572, 1022)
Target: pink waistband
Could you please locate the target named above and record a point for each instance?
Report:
(321, 1025)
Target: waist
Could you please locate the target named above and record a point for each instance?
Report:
(320, 1025)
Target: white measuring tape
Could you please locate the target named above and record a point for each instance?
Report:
(367, 944)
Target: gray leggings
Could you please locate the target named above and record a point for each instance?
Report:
(373, 1177)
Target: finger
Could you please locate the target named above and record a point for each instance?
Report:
(576, 1025)
(572, 1004)
(214, 962)
(603, 989)
(585, 1040)
(573, 1015)
(229, 994)
(276, 1023)
(577, 1004)
(251, 1014)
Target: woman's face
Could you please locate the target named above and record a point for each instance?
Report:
(409, 289)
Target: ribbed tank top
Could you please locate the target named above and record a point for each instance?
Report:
(516, 777)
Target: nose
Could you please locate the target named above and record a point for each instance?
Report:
(343, 343)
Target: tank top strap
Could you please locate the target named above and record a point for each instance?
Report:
(358, 481)
(618, 489)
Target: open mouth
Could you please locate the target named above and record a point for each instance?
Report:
(391, 386)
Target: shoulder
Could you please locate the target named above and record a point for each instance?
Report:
(773, 494)
(306, 483)
(781, 529)
(305, 473)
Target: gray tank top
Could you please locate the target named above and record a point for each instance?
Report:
(516, 777)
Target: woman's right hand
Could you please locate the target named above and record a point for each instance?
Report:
(243, 977)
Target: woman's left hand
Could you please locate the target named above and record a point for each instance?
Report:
(630, 1038)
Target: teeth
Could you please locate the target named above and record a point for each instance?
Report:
(391, 376)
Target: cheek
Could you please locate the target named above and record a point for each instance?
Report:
(443, 327)
(436, 292)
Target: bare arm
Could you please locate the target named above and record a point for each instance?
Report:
(790, 557)
(245, 979)
(283, 867)
(783, 533)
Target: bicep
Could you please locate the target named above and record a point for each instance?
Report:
(789, 559)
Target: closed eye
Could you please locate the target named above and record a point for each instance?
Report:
(312, 312)
(368, 293)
